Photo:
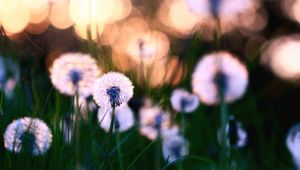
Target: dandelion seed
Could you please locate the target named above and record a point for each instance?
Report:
(112, 89)
(73, 71)
(237, 134)
(124, 118)
(153, 122)
(183, 101)
(174, 148)
(216, 73)
(28, 134)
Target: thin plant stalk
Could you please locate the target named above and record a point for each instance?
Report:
(225, 151)
(106, 164)
(157, 153)
(76, 122)
(119, 151)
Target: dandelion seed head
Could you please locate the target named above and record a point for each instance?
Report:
(124, 118)
(73, 71)
(112, 89)
(174, 148)
(183, 101)
(153, 121)
(30, 134)
(219, 71)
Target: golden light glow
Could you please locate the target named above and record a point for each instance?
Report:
(90, 11)
(59, 16)
(182, 23)
(89, 31)
(148, 47)
(15, 16)
(122, 9)
(283, 57)
(34, 4)
(40, 14)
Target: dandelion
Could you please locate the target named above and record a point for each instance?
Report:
(153, 121)
(218, 73)
(174, 148)
(223, 9)
(9, 75)
(28, 134)
(237, 134)
(74, 71)
(293, 143)
(183, 101)
(112, 89)
(124, 118)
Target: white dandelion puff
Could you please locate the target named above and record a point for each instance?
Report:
(174, 148)
(29, 134)
(237, 135)
(112, 89)
(124, 118)
(293, 143)
(73, 71)
(217, 72)
(183, 101)
(153, 121)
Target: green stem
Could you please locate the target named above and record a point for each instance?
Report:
(182, 124)
(157, 154)
(76, 122)
(217, 34)
(225, 154)
(121, 163)
(106, 165)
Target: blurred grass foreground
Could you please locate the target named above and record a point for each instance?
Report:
(150, 84)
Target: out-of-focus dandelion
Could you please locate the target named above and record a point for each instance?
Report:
(66, 125)
(124, 118)
(9, 76)
(148, 47)
(293, 143)
(28, 134)
(153, 121)
(112, 89)
(174, 148)
(238, 136)
(74, 71)
(219, 71)
(183, 101)
(282, 55)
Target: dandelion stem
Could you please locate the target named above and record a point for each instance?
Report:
(77, 112)
(109, 137)
(157, 153)
(225, 153)
(121, 163)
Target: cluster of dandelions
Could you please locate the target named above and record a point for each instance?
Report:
(27, 134)
(76, 72)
